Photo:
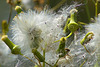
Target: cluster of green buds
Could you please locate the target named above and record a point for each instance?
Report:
(72, 26)
(15, 49)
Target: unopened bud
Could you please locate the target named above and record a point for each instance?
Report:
(18, 9)
(14, 48)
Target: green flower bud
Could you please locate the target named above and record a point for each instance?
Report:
(61, 49)
(87, 38)
(18, 9)
(4, 27)
(14, 48)
(73, 26)
(38, 55)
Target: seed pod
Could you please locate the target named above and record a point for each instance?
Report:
(14, 48)
(61, 49)
(73, 26)
(38, 55)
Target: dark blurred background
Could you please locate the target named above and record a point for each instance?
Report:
(40, 4)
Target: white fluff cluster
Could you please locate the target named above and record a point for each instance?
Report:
(33, 29)
(95, 27)
(39, 30)
(6, 58)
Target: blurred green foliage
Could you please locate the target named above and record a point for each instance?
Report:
(82, 13)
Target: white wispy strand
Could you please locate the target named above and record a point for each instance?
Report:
(6, 58)
(95, 27)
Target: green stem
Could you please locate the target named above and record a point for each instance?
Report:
(48, 64)
(66, 26)
(69, 35)
(64, 37)
(83, 63)
(44, 57)
(89, 33)
(56, 41)
(28, 58)
(72, 16)
(10, 14)
(96, 8)
(86, 49)
(56, 63)
(38, 60)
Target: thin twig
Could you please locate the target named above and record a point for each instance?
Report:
(96, 8)
(38, 61)
(44, 57)
(28, 59)
(10, 14)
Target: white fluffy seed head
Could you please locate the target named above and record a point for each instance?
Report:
(39, 30)
(34, 29)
